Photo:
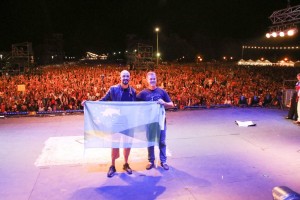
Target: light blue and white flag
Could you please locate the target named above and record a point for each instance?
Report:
(119, 124)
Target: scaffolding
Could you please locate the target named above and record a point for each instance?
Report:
(20, 59)
(142, 57)
(285, 19)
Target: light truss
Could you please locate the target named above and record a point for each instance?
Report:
(284, 22)
(286, 16)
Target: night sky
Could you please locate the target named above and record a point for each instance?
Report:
(103, 26)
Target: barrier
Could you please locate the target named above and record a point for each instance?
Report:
(39, 113)
(64, 112)
(207, 107)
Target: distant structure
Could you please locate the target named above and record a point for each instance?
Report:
(141, 57)
(51, 51)
(22, 57)
(94, 56)
(19, 60)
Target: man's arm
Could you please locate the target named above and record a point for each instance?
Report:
(165, 104)
(166, 101)
(107, 96)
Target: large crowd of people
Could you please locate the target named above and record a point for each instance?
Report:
(64, 87)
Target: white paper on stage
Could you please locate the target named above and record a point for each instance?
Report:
(245, 123)
(69, 150)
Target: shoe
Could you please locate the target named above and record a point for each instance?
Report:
(127, 168)
(111, 172)
(150, 166)
(296, 122)
(165, 166)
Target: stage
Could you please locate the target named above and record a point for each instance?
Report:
(209, 155)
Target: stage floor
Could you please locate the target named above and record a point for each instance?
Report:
(210, 158)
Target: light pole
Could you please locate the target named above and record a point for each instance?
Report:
(157, 53)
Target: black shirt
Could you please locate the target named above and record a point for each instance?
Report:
(126, 96)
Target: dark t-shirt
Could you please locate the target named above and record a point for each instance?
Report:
(126, 95)
(153, 95)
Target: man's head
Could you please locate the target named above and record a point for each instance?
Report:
(125, 77)
(151, 79)
(298, 77)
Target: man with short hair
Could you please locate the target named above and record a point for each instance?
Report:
(120, 92)
(154, 93)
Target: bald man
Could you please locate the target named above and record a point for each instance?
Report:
(120, 92)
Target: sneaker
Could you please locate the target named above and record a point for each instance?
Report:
(111, 172)
(127, 168)
(165, 166)
(150, 166)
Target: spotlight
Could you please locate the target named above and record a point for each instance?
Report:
(282, 31)
(291, 32)
(284, 193)
(274, 34)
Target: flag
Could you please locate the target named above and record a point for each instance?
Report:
(120, 124)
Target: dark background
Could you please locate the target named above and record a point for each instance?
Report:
(211, 28)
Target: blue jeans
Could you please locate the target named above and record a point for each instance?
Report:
(162, 148)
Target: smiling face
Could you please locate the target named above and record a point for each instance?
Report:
(151, 79)
(125, 78)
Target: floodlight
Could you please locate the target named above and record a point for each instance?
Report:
(281, 34)
(291, 32)
(274, 34)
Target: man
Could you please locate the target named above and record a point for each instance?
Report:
(298, 99)
(153, 93)
(292, 114)
(120, 92)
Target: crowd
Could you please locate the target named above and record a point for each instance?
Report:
(64, 87)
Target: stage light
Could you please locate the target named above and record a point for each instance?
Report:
(291, 32)
(274, 34)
